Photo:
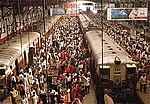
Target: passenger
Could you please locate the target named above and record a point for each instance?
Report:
(24, 100)
(87, 84)
(14, 94)
(30, 78)
(14, 81)
(143, 82)
(68, 96)
(34, 98)
(22, 89)
(41, 80)
(20, 77)
(68, 80)
(26, 83)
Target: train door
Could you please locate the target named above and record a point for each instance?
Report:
(25, 58)
(17, 67)
(31, 53)
(87, 8)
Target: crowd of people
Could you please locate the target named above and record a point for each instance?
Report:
(65, 50)
(68, 53)
(134, 45)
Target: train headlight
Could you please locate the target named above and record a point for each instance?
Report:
(117, 60)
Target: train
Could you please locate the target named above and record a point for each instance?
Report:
(118, 72)
(114, 70)
(17, 53)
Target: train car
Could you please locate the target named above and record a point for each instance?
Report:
(118, 73)
(85, 22)
(15, 55)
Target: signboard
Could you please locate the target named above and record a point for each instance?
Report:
(71, 8)
(58, 11)
(127, 13)
(104, 6)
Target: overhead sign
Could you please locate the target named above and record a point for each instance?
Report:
(127, 13)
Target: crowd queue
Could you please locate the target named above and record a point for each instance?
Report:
(65, 50)
(134, 45)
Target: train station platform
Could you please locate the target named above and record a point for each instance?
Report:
(49, 23)
(91, 97)
(145, 97)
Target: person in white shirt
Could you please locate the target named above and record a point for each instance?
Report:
(26, 83)
(41, 80)
(32, 91)
(34, 98)
(37, 83)
(26, 74)
(20, 77)
(53, 93)
(68, 80)
(30, 78)
(30, 70)
(87, 84)
(24, 100)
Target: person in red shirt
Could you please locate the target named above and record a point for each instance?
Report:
(71, 69)
(63, 55)
(67, 69)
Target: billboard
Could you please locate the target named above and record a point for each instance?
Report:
(71, 8)
(127, 13)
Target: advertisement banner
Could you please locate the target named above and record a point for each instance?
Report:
(127, 13)
(71, 9)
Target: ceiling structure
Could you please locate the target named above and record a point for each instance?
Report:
(15, 4)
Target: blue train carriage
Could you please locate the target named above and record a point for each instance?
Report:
(119, 73)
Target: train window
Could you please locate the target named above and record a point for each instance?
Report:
(2, 71)
(105, 72)
(87, 4)
(110, 49)
(131, 70)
